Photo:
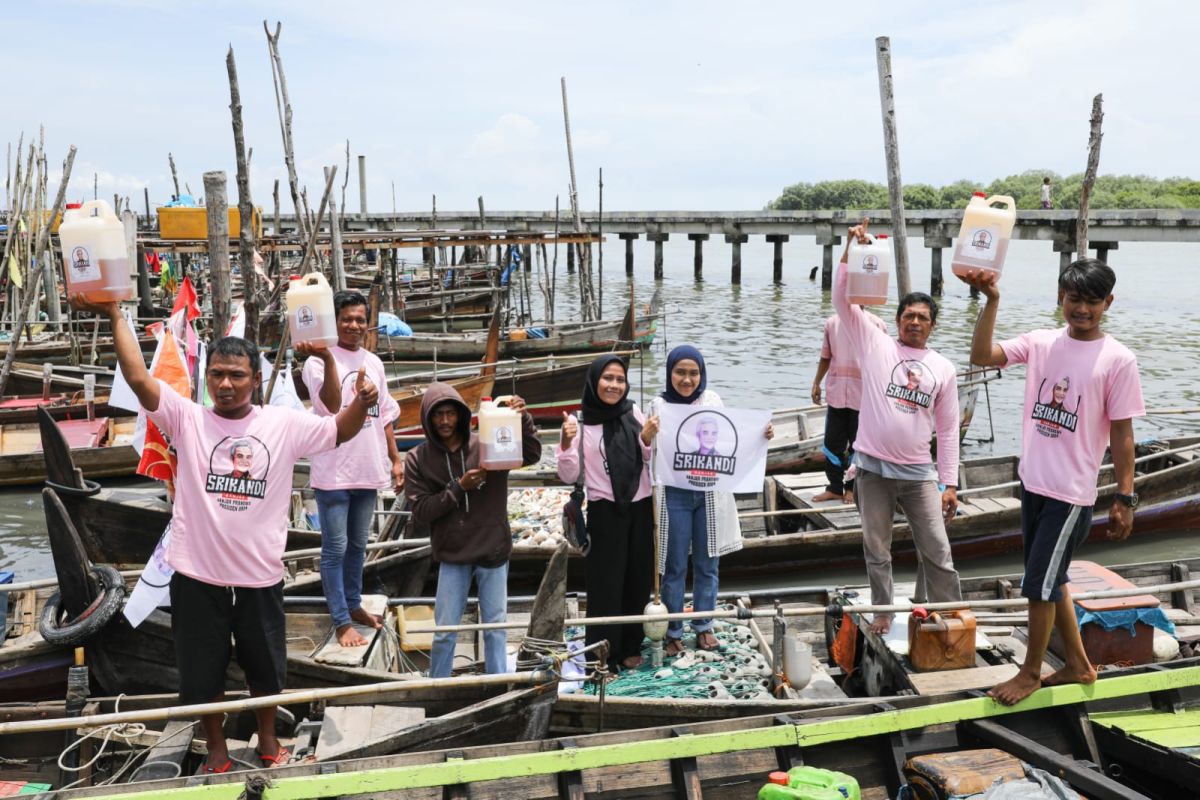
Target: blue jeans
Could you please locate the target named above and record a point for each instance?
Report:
(345, 523)
(454, 582)
(687, 529)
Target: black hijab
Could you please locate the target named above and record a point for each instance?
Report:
(622, 432)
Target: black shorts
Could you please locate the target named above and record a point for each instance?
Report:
(204, 619)
(1052, 530)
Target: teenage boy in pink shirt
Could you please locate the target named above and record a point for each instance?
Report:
(1082, 392)
(347, 480)
(229, 522)
(838, 366)
(908, 392)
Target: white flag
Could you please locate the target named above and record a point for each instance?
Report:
(712, 447)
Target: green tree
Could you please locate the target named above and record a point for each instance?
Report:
(922, 195)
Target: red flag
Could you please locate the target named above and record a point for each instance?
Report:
(186, 298)
(157, 460)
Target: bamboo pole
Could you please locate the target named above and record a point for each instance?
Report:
(246, 234)
(198, 710)
(587, 298)
(217, 211)
(1089, 175)
(174, 174)
(284, 108)
(40, 247)
(812, 610)
(337, 256)
(891, 154)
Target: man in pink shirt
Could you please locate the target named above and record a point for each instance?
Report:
(908, 392)
(347, 480)
(838, 366)
(229, 522)
(1082, 392)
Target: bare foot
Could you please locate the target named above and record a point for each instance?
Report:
(881, 624)
(361, 615)
(1070, 674)
(1015, 689)
(826, 496)
(848, 497)
(348, 637)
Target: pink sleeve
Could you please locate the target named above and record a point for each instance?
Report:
(568, 460)
(313, 375)
(826, 350)
(1123, 395)
(947, 420)
(859, 330)
(171, 408)
(1017, 350)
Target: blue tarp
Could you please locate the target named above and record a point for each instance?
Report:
(392, 325)
(1126, 618)
(182, 201)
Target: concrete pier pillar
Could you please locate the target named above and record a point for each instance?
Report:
(936, 240)
(629, 239)
(658, 239)
(570, 258)
(778, 239)
(698, 260)
(1065, 257)
(828, 241)
(735, 267)
(1102, 249)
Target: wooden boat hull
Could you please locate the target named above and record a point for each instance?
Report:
(22, 462)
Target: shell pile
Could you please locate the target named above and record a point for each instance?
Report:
(535, 515)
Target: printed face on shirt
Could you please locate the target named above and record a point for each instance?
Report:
(911, 387)
(1056, 411)
(237, 472)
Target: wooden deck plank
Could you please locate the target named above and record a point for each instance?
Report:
(955, 680)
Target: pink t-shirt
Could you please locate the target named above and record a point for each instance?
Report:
(1073, 391)
(362, 462)
(907, 394)
(234, 485)
(843, 380)
(595, 477)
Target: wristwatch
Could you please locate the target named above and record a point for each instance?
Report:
(1130, 500)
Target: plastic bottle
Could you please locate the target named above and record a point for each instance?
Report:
(867, 270)
(310, 310)
(499, 435)
(983, 238)
(810, 783)
(95, 262)
(797, 661)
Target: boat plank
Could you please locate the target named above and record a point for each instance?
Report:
(957, 680)
(330, 652)
(348, 727)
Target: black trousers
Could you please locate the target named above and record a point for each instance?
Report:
(841, 429)
(619, 572)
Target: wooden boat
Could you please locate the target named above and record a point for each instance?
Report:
(876, 745)
(23, 408)
(988, 520)
(101, 448)
(57, 349)
(26, 378)
(567, 337)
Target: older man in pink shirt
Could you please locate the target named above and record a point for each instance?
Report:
(908, 392)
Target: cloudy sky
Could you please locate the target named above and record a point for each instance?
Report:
(685, 105)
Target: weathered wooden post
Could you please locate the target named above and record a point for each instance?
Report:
(247, 235)
(362, 187)
(698, 258)
(129, 222)
(217, 210)
(777, 239)
(891, 152)
(1089, 174)
(737, 240)
(335, 244)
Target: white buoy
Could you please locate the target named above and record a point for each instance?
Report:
(797, 661)
(655, 631)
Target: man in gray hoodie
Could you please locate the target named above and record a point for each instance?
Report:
(466, 508)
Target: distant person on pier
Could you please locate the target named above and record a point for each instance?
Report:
(466, 508)
(348, 479)
(838, 367)
(693, 526)
(908, 392)
(229, 523)
(1046, 193)
(1061, 451)
(614, 445)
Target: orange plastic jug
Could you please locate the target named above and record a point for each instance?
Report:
(941, 641)
(983, 238)
(867, 269)
(500, 445)
(310, 310)
(95, 261)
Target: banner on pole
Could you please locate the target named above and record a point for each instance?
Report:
(712, 448)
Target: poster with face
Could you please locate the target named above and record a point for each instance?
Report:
(911, 387)
(703, 448)
(237, 472)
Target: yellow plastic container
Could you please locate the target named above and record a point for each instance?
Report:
(517, 334)
(192, 223)
(500, 445)
(414, 623)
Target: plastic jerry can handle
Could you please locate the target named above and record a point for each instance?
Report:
(1004, 200)
(101, 208)
(502, 400)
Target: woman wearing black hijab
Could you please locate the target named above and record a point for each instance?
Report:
(616, 474)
